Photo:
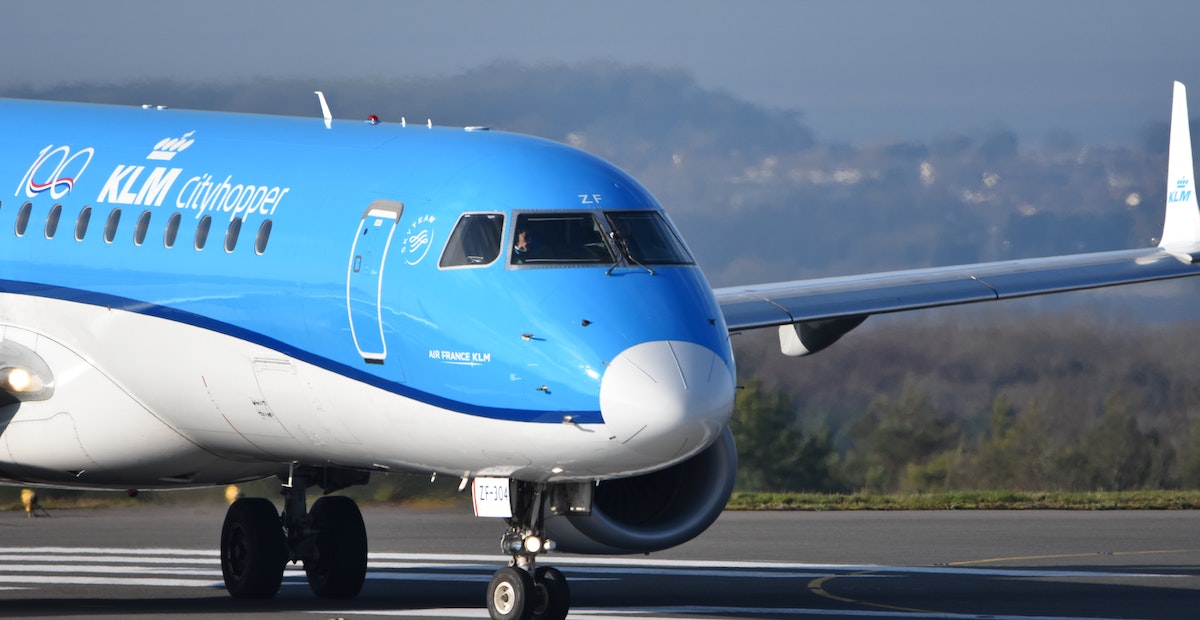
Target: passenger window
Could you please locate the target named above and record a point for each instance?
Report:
(475, 240)
(560, 238)
(264, 233)
(52, 221)
(202, 232)
(143, 225)
(172, 230)
(81, 224)
(231, 235)
(23, 218)
(110, 227)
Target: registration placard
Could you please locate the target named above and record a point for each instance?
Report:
(490, 497)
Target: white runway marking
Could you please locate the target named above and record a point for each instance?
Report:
(30, 568)
(647, 613)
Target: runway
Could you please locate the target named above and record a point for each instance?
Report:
(155, 561)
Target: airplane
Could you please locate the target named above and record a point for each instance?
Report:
(197, 298)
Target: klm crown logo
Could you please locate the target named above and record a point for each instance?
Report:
(1181, 193)
(168, 148)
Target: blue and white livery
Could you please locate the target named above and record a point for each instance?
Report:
(191, 298)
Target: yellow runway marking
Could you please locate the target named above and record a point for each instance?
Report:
(817, 586)
(1063, 556)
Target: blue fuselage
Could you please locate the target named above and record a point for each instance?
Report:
(295, 258)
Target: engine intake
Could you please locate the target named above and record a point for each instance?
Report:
(654, 511)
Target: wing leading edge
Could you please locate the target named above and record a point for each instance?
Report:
(822, 310)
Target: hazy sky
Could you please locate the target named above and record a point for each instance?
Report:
(864, 71)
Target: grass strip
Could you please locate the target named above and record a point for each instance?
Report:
(970, 500)
(744, 500)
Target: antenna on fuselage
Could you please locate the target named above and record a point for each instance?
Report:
(325, 109)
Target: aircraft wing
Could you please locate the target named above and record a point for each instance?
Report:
(821, 311)
(782, 303)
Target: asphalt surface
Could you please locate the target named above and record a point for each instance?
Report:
(156, 561)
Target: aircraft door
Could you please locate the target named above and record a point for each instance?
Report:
(364, 278)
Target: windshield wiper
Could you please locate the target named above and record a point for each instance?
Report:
(624, 250)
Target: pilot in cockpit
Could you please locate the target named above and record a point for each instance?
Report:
(522, 246)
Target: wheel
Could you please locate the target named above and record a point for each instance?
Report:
(253, 549)
(338, 565)
(553, 596)
(510, 595)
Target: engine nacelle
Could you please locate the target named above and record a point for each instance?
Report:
(654, 511)
(810, 337)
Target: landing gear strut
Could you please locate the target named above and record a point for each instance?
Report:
(521, 590)
(257, 542)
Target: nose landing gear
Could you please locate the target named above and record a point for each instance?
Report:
(509, 594)
(521, 590)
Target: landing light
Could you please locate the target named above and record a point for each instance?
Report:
(533, 544)
(17, 380)
(24, 375)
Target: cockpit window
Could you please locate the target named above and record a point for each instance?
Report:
(475, 240)
(647, 238)
(569, 238)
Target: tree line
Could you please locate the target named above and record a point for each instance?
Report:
(1054, 404)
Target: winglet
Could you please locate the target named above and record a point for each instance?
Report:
(1181, 229)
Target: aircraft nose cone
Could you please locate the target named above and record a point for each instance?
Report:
(667, 398)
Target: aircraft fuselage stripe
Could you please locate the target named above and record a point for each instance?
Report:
(92, 298)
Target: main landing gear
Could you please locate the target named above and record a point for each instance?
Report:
(521, 590)
(257, 542)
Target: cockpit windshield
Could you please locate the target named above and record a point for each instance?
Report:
(647, 238)
(563, 238)
(559, 238)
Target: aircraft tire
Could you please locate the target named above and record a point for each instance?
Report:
(553, 594)
(510, 595)
(339, 563)
(253, 549)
